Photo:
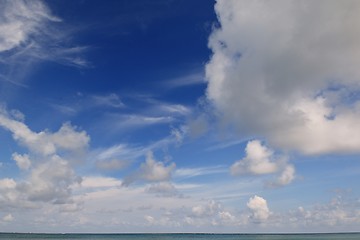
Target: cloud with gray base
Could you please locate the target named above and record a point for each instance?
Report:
(48, 164)
(288, 71)
(260, 160)
(151, 171)
(259, 209)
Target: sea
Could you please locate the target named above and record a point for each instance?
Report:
(329, 236)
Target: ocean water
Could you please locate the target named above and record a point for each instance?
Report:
(337, 236)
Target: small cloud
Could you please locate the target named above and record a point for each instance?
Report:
(257, 161)
(259, 209)
(187, 80)
(226, 216)
(8, 218)
(149, 219)
(111, 100)
(163, 189)
(212, 208)
(194, 172)
(286, 176)
(260, 160)
(152, 171)
(22, 161)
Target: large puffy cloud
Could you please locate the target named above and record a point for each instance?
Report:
(288, 71)
(261, 160)
(48, 164)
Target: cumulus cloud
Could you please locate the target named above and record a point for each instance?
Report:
(152, 171)
(51, 181)
(44, 142)
(261, 160)
(211, 213)
(286, 177)
(339, 213)
(259, 209)
(22, 161)
(49, 174)
(256, 161)
(288, 71)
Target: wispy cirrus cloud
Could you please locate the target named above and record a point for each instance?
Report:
(194, 172)
(187, 80)
(30, 33)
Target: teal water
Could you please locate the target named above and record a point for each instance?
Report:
(338, 236)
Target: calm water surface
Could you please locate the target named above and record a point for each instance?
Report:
(342, 236)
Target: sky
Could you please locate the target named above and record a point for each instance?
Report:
(226, 116)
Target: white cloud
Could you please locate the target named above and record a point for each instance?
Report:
(51, 181)
(194, 172)
(163, 189)
(20, 20)
(285, 177)
(212, 208)
(8, 218)
(261, 160)
(259, 209)
(155, 171)
(175, 109)
(22, 161)
(44, 142)
(100, 182)
(49, 175)
(288, 71)
(187, 80)
(256, 161)
(111, 100)
(30, 33)
(7, 183)
(117, 151)
(152, 171)
(149, 219)
(339, 213)
(139, 120)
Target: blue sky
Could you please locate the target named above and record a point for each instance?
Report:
(179, 116)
